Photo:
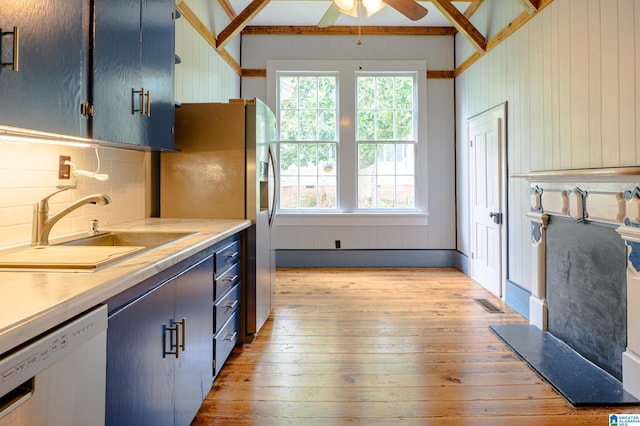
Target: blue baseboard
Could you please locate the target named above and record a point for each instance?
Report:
(517, 298)
(371, 258)
(462, 263)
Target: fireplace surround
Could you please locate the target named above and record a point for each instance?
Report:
(583, 204)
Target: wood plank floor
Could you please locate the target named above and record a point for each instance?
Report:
(384, 346)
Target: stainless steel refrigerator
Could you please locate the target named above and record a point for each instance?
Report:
(226, 170)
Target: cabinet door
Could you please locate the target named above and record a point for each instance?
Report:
(117, 86)
(158, 57)
(140, 378)
(46, 91)
(194, 373)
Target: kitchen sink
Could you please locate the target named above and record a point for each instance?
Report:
(88, 253)
(148, 240)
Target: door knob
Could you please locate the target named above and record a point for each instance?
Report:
(497, 217)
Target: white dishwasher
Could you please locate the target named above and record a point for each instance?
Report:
(59, 378)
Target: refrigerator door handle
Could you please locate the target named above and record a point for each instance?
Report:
(276, 188)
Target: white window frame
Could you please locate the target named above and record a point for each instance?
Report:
(316, 142)
(413, 141)
(348, 214)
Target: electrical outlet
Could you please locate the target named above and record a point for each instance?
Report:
(337, 244)
(64, 170)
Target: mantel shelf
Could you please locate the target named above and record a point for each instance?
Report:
(613, 174)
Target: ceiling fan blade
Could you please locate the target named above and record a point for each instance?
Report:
(330, 16)
(409, 8)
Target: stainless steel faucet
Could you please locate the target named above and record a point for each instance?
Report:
(42, 223)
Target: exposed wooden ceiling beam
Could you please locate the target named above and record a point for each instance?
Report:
(228, 9)
(531, 6)
(238, 23)
(461, 23)
(475, 5)
(509, 29)
(345, 30)
(431, 74)
(202, 29)
(196, 23)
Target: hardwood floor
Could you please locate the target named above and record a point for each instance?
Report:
(384, 346)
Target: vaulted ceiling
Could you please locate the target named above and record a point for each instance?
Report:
(302, 17)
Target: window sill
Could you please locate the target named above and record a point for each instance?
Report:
(352, 219)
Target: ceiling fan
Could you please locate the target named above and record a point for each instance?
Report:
(409, 8)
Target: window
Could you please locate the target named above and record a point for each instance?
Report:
(308, 137)
(385, 140)
(350, 139)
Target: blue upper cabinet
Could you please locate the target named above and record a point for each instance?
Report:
(133, 65)
(45, 82)
(117, 97)
(158, 64)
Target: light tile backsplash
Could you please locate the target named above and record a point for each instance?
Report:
(29, 172)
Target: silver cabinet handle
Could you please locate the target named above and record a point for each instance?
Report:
(232, 254)
(232, 279)
(148, 112)
(16, 48)
(177, 338)
(232, 305)
(142, 110)
(173, 331)
(229, 337)
(183, 340)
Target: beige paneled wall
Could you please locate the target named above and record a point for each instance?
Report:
(571, 81)
(29, 172)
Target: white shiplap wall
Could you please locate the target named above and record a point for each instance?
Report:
(571, 80)
(437, 51)
(203, 76)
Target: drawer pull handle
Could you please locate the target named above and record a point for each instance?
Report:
(231, 336)
(231, 255)
(16, 48)
(232, 305)
(232, 279)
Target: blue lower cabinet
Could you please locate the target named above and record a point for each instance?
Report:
(140, 379)
(159, 348)
(227, 298)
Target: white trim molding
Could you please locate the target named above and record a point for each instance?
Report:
(352, 219)
(538, 309)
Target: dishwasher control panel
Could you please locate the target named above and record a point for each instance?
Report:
(21, 365)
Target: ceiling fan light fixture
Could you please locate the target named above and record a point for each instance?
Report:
(372, 6)
(344, 4)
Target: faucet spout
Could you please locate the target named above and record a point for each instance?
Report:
(42, 222)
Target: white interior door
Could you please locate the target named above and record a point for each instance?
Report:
(487, 177)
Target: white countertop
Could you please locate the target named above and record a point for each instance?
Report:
(33, 302)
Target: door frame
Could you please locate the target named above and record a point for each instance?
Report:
(498, 112)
